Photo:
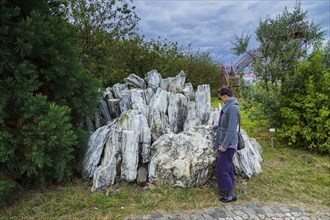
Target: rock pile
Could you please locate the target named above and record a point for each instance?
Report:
(153, 130)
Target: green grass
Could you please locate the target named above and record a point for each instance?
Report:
(289, 176)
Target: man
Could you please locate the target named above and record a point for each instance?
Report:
(226, 143)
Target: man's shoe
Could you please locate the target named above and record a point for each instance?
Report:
(228, 199)
(223, 194)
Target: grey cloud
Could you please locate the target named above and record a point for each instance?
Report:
(210, 26)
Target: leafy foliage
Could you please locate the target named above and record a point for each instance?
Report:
(241, 43)
(98, 23)
(45, 95)
(307, 108)
(292, 92)
(135, 55)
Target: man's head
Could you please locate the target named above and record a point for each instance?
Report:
(225, 90)
(225, 93)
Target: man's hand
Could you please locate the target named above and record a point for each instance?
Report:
(209, 127)
(222, 149)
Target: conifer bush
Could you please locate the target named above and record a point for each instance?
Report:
(45, 96)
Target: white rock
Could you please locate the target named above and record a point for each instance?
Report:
(203, 102)
(94, 151)
(177, 112)
(153, 79)
(183, 159)
(248, 160)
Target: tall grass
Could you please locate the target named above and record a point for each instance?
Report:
(289, 176)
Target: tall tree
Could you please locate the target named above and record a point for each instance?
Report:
(45, 95)
(295, 85)
(283, 42)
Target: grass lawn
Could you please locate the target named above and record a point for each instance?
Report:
(289, 176)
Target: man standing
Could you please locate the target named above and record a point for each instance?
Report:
(226, 143)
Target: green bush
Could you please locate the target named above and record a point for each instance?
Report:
(300, 108)
(306, 109)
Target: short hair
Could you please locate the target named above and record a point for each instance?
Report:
(225, 90)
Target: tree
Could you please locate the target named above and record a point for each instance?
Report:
(137, 56)
(283, 42)
(294, 88)
(98, 23)
(45, 96)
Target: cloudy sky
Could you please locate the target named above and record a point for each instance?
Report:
(210, 25)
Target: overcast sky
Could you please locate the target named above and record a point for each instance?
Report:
(210, 25)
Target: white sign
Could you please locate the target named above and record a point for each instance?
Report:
(272, 129)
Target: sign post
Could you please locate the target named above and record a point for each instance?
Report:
(272, 130)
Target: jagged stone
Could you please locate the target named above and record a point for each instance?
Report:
(174, 84)
(125, 103)
(105, 174)
(118, 89)
(134, 81)
(247, 161)
(137, 97)
(177, 112)
(137, 122)
(158, 119)
(203, 102)
(94, 151)
(188, 91)
(148, 94)
(114, 108)
(192, 119)
(153, 79)
(104, 110)
(126, 137)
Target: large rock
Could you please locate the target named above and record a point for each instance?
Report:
(188, 91)
(134, 81)
(106, 172)
(203, 102)
(174, 84)
(138, 99)
(126, 139)
(192, 118)
(94, 151)
(105, 112)
(183, 159)
(177, 112)
(248, 160)
(158, 118)
(118, 89)
(153, 79)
